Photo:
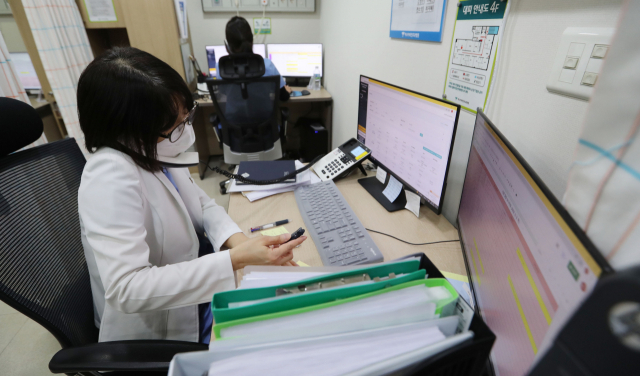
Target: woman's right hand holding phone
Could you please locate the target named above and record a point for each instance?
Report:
(265, 250)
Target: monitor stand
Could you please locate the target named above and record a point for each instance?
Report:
(375, 188)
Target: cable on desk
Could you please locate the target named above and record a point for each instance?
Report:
(404, 241)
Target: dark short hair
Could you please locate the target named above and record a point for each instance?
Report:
(239, 35)
(126, 99)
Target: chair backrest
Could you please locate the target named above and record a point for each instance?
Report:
(249, 120)
(43, 272)
(21, 125)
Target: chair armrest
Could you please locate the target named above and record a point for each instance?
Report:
(139, 355)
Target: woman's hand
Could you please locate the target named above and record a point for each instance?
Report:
(288, 89)
(265, 250)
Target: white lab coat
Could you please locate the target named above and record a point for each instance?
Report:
(140, 242)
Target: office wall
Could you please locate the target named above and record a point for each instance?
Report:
(544, 127)
(11, 34)
(208, 28)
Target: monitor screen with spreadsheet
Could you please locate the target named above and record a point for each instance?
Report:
(26, 71)
(410, 136)
(214, 53)
(296, 60)
(528, 262)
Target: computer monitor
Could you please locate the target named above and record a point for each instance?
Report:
(410, 136)
(296, 60)
(214, 53)
(529, 263)
(26, 71)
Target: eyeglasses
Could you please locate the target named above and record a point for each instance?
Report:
(179, 130)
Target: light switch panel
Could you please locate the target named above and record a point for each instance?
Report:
(578, 61)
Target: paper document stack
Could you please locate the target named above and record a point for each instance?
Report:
(256, 192)
(369, 320)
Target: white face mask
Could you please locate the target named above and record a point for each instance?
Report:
(170, 149)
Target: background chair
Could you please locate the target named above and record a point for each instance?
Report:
(43, 272)
(246, 104)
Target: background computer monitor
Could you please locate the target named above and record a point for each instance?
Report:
(410, 136)
(214, 53)
(528, 262)
(26, 71)
(296, 60)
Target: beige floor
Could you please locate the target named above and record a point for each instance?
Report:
(26, 347)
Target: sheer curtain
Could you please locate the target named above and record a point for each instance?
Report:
(64, 49)
(603, 193)
(10, 85)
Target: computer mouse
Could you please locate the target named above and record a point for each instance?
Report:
(305, 92)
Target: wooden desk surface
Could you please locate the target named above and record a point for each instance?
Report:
(402, 224)
(316, 96)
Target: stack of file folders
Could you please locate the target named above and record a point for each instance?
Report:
(400, 317)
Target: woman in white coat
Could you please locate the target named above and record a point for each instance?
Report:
(153, 239)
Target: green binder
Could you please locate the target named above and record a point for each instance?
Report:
(444, 307)
(222, 313)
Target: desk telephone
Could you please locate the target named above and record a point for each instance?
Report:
(345, 157)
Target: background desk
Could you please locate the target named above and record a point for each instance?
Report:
(402, 224)
(318, 104)
(52, 122)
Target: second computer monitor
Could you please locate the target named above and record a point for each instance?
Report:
(410, 136)
(214, 53)
(529, 263)
(296, 60)
(26, 71)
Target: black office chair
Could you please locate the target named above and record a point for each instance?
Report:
(246, 104)
(43, 272)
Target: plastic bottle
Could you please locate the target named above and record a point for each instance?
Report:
(316, 78)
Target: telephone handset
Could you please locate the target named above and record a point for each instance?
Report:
(341, 160)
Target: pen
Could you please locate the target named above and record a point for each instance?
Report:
(274, 224)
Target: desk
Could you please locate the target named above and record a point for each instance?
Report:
(53, 129)
(402, 224)
(318, 104)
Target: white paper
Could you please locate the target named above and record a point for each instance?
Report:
(185, 49)
(261, 279)
(181, 15)
(302, 179)
(101, 10)
(339, 357)
(381, 175)
(413, 202)
(411, 304)
(392, 365)
(417, 15)
(199, 362)
(393, 189)
(257, 195)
